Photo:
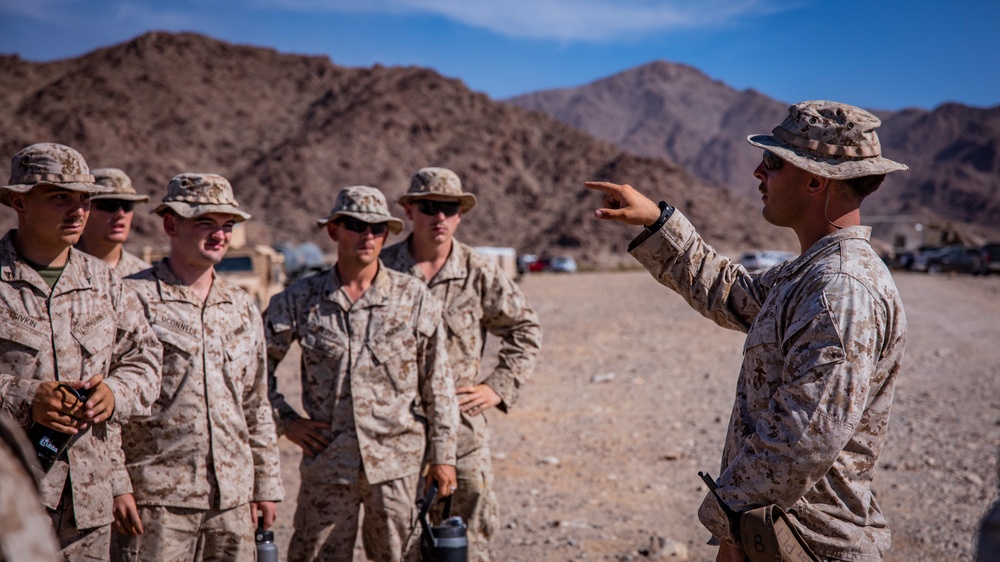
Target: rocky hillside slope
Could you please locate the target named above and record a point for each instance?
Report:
(674, 111)
(290, 130)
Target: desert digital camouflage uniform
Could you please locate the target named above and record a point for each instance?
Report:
(209, 444)
(129, 264)
(377, 371)
(825, 337)
(119, 181)
(209, 447)
(25, 529)
(88, 324)
(478, 299)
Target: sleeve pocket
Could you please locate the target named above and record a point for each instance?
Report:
(764, 330)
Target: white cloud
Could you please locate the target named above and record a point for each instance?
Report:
(131, 14)
(568, 20)
(143, 16)
(52, 11)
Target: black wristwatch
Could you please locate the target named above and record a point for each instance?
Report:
(649, 229)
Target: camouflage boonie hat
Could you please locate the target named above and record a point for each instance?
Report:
(441, 182)
(365, 204)
(830, 139)
(49, 163)
(119, 180)
(192, 195)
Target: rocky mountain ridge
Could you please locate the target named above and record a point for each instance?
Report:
(290, 130)
(674, 111)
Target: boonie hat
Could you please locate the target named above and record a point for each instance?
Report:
(443, 182)
(119, 180)
(364, 203)
(49, 163)
(830, 139)
(192, 195)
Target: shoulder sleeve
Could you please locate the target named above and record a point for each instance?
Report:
(722, 291)
(436, 384)
(508, 316)
(279, 333)
(257, 410)
(134, 375)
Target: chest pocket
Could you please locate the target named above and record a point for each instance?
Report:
(240, 359)
(395, 353)
(96, 336)
(180, 354)
(323, 343)
(323, 362)
(463, 319)
(19, 348)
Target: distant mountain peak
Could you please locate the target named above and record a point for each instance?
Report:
(289, 131)
(670, 110)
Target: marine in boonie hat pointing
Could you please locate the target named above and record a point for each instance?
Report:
(68, 321)
(376, 389)
(204, 464)
(825, 336)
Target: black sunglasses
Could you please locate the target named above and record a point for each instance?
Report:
(112, 205)
(432, 208)
(772, 161)
(354, 225)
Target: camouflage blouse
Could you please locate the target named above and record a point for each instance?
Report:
(825, 338)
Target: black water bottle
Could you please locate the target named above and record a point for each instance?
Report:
(446, 542)
(50, 444)
(267, 551)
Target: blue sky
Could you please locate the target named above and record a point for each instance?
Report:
(877, 54)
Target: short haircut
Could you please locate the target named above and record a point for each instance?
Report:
(859, 188)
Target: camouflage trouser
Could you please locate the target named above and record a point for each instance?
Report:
(989, 536)
(327, 515)
(181, 534)
(475, 502)
(77, 544)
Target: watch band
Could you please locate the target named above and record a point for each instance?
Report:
(648, 230)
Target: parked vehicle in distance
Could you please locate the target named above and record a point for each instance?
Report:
(505, 258)
(759, 260)
(563, 264)
(950, 258)
(989, 256)
(524, 262)
(530, 263)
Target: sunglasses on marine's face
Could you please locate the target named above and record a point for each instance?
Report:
(432, 208)
(112, 205)
(354, 225)
(772, 161)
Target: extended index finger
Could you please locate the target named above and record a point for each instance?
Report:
(605, 186)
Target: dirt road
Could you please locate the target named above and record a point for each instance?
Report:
(631, 399)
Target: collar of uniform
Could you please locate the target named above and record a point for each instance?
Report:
(74, 277)
(453, 268)
(172, 289)
(857, 232)
(376, 295)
